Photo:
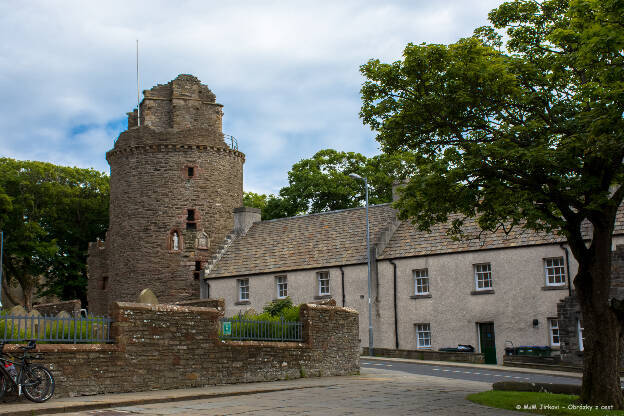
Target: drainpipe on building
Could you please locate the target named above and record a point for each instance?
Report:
(564, 248)
(396, 324)
(342, 283)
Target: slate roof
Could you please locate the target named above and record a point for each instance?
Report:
(408, 241)
(339, 238)
(309, 241)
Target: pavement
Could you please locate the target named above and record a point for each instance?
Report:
(370, 392)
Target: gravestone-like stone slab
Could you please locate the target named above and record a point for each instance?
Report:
(18, 310)
(147, 296)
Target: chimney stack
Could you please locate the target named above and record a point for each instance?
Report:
(244, 217)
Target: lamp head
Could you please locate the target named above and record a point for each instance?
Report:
(355, 176)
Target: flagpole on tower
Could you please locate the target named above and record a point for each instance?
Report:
(138, 90)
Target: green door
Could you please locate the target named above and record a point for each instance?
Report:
(487, 342)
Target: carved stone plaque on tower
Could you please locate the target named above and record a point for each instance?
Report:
(202, 242)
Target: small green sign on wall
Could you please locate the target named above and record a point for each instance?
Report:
(227, 328)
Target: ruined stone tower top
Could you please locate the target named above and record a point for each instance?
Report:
(181, 112)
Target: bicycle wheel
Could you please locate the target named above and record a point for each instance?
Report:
(3, 384)
(37, 383)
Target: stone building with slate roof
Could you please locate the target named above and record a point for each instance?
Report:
(429, 291)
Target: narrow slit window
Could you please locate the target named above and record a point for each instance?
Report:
(197, 270)
(190, 219)
(190, 171)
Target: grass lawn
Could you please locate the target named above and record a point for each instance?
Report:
(538, 403)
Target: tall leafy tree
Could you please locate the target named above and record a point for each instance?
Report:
(322, 183)
(523, 129)
(49, 216)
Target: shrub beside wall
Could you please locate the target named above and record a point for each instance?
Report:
(172, 346)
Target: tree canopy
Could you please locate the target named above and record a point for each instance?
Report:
(520, 125)
(322, 183)
(49, 214)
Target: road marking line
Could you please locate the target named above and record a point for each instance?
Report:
(488, 374)
(517, 377)
(457, 371)
(378, 364)
(477, 374)
(467, 372)
(507, 376)
(497, 375)
(388, 365)
(436, 369)
(446, 370)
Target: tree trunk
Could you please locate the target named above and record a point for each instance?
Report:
(602, 329)
(28, 297)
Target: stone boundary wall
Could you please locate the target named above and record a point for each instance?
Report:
(544, 363)
(72, 307)
(427, 355)
(569, 312)
(171, 346)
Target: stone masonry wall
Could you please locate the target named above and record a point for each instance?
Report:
(72, 307)
(427, 355)
(170, 346)
(97, 266)
(569, 312)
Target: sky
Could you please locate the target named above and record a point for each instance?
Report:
(287, 72)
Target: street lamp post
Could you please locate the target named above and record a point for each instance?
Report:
(368, 260)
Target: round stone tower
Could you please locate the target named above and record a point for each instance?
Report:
(173, 187)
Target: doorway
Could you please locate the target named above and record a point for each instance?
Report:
(487, 342)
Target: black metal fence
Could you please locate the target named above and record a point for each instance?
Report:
(231, 141)
(49, 329)
(246, 329)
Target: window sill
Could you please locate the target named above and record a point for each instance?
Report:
(242, 302)
(483, 292)
(424, 349)
(423, 296)
(558, 287)
(322, 297)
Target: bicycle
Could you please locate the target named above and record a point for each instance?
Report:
(34, 381)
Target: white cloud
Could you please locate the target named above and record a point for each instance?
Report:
(287, 72)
